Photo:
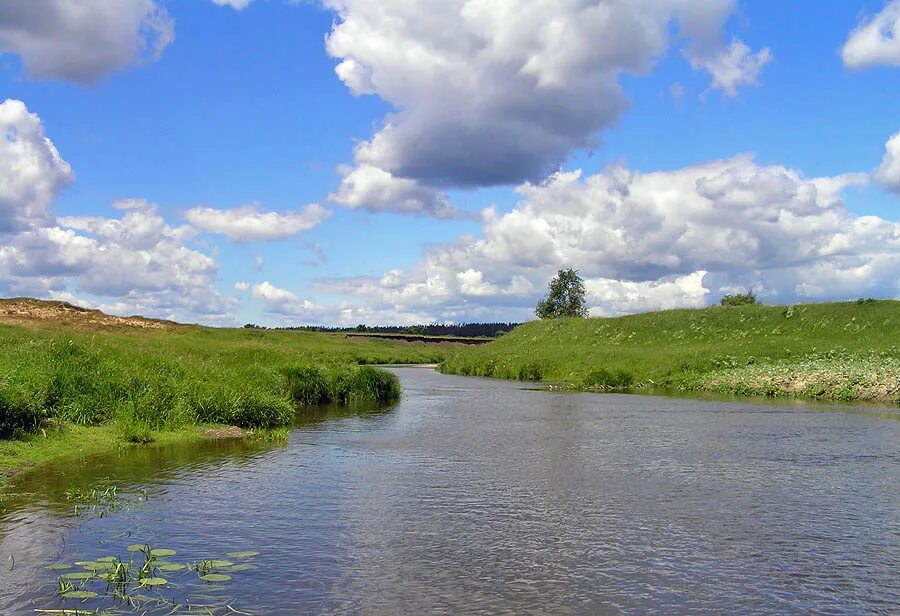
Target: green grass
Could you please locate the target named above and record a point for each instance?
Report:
(840, 351)
(140, 383)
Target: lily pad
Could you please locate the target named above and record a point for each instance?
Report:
(79, 594)
(60, 567)
(80, 575)
(106, 559)
(218, 564)
(161, 552)
(97, 566)
(171, 567)
(138, 547)
(215, 577)
(154, 581)
(247, 554)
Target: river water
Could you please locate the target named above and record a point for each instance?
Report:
(478, 496)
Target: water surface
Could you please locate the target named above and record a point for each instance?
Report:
(483, 496)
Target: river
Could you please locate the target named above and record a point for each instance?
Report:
(480, 496)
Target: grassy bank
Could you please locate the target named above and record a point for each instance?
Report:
(83, 387)
(839, 351)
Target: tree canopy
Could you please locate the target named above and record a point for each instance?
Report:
(740, 299)
(565, 298)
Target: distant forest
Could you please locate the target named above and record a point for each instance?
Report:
(467, 330)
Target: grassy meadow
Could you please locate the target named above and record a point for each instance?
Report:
(848, 351)
(137, 384)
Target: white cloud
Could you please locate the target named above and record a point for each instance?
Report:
(888, 174)
(138, 262)
(238, 5)
(135, 264)
(281, 302)
(733, 66)
(493, 92)
(875, 41)
(376, 190)
(651, 240)
(86, 40)
(249, 224)
(32, 173)
(611, 297)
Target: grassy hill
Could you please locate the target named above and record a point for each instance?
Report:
(839, 351)
(65, 371)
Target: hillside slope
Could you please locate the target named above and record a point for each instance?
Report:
(28, 311)
(841, 351)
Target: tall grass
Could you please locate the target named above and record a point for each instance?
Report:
(774, 350)
(150, 381)
(313, 385)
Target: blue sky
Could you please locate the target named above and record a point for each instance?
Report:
(239, 105)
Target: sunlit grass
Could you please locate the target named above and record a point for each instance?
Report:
(149, 382)
(841, 351)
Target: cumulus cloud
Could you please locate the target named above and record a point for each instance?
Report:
(32, 173)
(86, 40)
(137, 263)
(248, 224)
(875, 41)
(490, 92)
(888, 174)
(374, 189)
(610, 296)
(652, 240)
(281, 302)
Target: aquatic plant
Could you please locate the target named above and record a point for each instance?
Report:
(110, 581)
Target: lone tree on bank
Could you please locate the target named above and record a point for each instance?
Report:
(566, 297)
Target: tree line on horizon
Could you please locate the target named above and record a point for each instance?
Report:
(462, 330)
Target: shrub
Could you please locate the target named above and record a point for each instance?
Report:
(739, 299)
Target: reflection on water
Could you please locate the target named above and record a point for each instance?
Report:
(480, 496)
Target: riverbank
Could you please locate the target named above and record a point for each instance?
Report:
(81, 381)
(74, 442)
(845, 351)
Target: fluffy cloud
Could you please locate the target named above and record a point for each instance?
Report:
(652, 240)
(374, 189)
(137, 263)
(249, 224)
(876, 41)
(86, 40)
(888, 174)
(491, 92)
(32, 173)
(281, 302)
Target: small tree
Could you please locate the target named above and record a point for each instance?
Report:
(739, 299)
(566, 297)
